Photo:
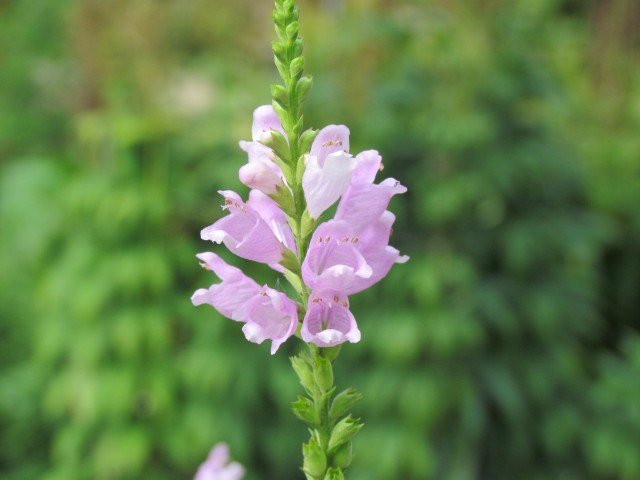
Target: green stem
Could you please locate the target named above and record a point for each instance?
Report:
(328, 451)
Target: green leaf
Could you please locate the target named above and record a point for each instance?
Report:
(290, 261)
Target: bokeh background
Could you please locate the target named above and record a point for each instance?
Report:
(507, 348)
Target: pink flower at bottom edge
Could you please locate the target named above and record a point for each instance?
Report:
(218, 466)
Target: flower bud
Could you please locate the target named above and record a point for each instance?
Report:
(260, 176)
(343, 402)
(304, 372)
(323, 374)
(315, 460)
(305, 410)
(343, 432)
(344, 456)
(334, 474)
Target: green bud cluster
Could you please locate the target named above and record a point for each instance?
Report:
(329, 450)
(287, 100)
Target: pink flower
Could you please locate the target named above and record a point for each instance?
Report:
(345, 259)
(266, 313)
(328, 169)
(262, 173)
(364, 201)
(218, 466)
(245, 232)
(328, 321)
(265, 119)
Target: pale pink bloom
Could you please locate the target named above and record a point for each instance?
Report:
(344, 259)
(364, 201)
(219, 466)
(328, 321)
(245, 232)
(266, 313)
(328, 169)
(262, 173)
(265, 119)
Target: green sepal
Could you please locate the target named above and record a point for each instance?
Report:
(315, 460)
(308, 224)
(284, 199)
(283, 69)
(307, 138)
(298, 47)
(286, 169)
(278, 17)
(343, 402)
(343, 432)
(300, 167)
(279, 93)
(277, 142)
(334, 474)
(295, 281)
(331, 353)
(297, 128)
(303, 86)
(281, 112)
(292, 30)
(343, 456)
(296, 67)
(323, 373)
(279, 50)
(290, 261)
(281, 32)
(294, 226)
(306, 410)
(325, 397)
(304, 372)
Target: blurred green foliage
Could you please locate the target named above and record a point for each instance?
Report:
(508, 347)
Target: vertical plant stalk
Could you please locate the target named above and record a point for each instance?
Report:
(329, 450)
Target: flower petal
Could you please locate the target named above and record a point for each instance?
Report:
(261, 176)
(363, 203)
(369, 163)
(328, 321)
(244, 232)
(218, 466)
(270, 315)
(331, 139)
(226, 297)
(324, 183)
(264, 119)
